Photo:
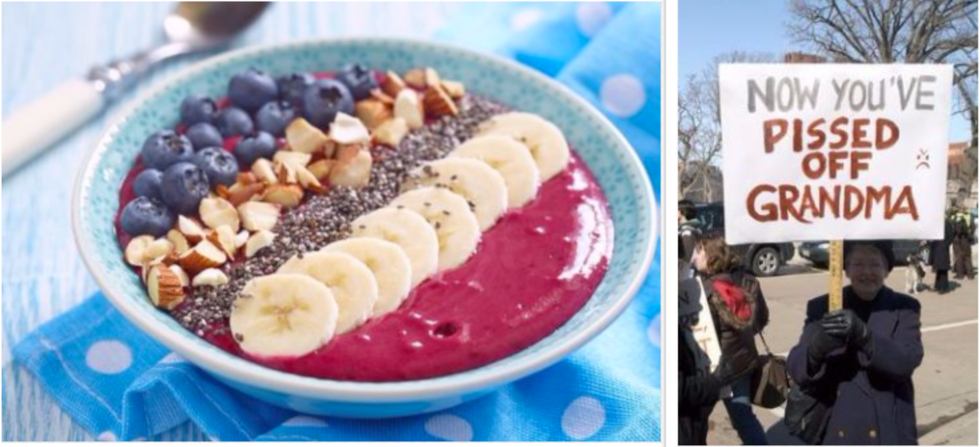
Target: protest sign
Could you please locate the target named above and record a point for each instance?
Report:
(695, 319)
(834, 151)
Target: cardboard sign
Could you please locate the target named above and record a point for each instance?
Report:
(834, 151)
(695, 318)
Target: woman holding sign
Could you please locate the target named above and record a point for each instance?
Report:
(739, 311)
(858, 361)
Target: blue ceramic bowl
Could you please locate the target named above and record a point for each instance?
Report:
(603, 148)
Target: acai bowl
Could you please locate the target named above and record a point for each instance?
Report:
(519, 277)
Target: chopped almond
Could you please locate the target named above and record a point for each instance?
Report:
(346, 129)
(372, 112)
(239, 194)
(259, 215)
(285, 173)
(293, 158)
(432, 77)
(136, 249)
(179, 240)
(191, 228)
(437, 102)
(288, 196)
(321, 168)
(164, 287)
(391, 132)
(261, 239)
(409, 108)
(307, 179)
(415, 78)
(204, 255)
(392, 84)
(351, 170)
(219, 212)
(241, 238)
(245, 178)
(263, 170)
(181, 274)
(304, 137)
(454, 89)
(379, 95)
(223, 237)
(210, 277)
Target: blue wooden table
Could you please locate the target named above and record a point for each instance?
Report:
(45, 44)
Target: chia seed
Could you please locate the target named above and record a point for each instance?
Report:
(326, 218)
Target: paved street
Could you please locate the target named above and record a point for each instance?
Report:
(945, 383)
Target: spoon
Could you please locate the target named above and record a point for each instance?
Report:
(191, 27)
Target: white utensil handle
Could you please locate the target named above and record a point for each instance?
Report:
(29, 130)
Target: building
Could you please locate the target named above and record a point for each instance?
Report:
(961, 180)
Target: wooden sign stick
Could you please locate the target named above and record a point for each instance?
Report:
(835, 249)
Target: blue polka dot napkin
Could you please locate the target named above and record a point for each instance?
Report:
(120, 384)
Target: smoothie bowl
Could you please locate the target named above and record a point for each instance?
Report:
(365, 227)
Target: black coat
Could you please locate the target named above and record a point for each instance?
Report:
(939, 251)
(687, 239)
(698, 395)
(737, 335)
(872, 398)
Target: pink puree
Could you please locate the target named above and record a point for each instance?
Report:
(534, 269)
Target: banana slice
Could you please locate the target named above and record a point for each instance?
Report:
(351, 282)
(475, 180)
(408, 230)
(283, 316)
(450, 215)
(388, 263)
(512, 160)
(544, 139)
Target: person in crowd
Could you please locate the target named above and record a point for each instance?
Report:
(699, 387)
(962, 241)
(859, 360)
(939, 259)
(688, 230)
(740, 312)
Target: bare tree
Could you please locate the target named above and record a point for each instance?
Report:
(911, 31)
(699, 124)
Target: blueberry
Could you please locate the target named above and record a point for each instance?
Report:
(219, 165)
(255, 146)
(165, 148)
(233, 121)
(184, 185)
(147, 183)
(274, 117)
(145, 215)
(197, 109)
(251, 89)
(204, 135)
(291, 87)
(359, 80)
(323, 100)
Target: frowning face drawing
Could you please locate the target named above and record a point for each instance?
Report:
(922, 160)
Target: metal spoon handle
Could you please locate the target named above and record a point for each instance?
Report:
(115, 77)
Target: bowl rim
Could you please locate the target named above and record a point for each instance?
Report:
(258, 376)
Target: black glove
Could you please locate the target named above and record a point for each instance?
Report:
(724, 373)
(845, 325)
(821, 344)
